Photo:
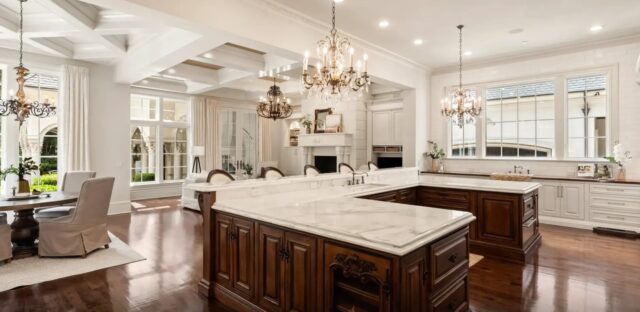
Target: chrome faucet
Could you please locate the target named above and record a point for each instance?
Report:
(515, 169)
(353, 180)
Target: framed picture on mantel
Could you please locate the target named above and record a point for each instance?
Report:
(321, 119)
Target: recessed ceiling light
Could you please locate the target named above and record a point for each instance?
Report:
(467, 53)
(417, 42)
(208, 55)
(171, 71)
(338, 1)
(524, 42)
(596, 28)
(516, 31)
(383, 24)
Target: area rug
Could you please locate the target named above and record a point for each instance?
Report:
(34, 270)
(474, 259)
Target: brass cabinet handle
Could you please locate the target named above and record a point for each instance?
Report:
(529, 223)
(452, 258)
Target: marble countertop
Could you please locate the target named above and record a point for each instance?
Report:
(336, 213)
(476, 184)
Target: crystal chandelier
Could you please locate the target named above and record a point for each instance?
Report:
(461, 106)
(20, 106)
(275, 105)
(334, 78)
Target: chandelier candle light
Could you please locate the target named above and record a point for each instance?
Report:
(334, 78)
(461, 106)
(276, 105)
(20, 106)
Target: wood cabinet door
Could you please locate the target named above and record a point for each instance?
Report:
(499, 219)
(572, 201)
(549, 195)
(243, 263)
(222, 228)
(414, 277)
(300, 272)
(270, 268)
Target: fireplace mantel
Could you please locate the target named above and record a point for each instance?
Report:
(325, 139)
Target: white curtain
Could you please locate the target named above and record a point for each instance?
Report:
(266, 131)
(204, 128)
(74, 118)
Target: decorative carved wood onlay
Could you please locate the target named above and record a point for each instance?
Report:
(354, 267)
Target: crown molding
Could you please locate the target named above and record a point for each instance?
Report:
(298, 17)
(559, 50)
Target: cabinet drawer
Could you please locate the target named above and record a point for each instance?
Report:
(449, 257)
(455, 298)
(444, 198)
(387, 196)
(407, 196)
(613, 217)
(529, 208)
(615, 203)
(615, 190)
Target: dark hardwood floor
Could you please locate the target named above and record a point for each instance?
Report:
(574, 270)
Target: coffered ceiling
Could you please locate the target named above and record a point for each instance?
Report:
(494, 28)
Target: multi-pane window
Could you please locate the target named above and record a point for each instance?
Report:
(238, 140)
(159, 138)
(39, 136)
(520, 120)
(587, 116)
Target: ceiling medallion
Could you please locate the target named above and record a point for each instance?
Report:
(334, 79)
(20, 106)
(276, 105)
(461, 106)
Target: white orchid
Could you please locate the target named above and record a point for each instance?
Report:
(620, 156)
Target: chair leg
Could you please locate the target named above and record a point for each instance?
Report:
(84, 253)
(106, 246)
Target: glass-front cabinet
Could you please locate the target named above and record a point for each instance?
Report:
(238, 130)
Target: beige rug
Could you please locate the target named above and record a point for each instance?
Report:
(34, 270)
(474, 259)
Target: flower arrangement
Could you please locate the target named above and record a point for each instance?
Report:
(306, 122)
(620, 156)
(436, 151)
(25, 167)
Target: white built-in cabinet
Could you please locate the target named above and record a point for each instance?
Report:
(387, 127)
(562, 199)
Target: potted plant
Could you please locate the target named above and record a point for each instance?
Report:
(26, 167)
(248, 169)
(436, 154)
(621, 158)
(306, 123)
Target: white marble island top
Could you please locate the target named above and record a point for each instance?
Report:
(388, 227)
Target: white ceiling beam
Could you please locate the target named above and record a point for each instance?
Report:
(84, 18)
(53, 46)
(227, 56)
(116, 23)
(193, 73)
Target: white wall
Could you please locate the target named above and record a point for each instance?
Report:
(108, 115)
(622, 55)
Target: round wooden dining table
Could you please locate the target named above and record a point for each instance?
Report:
(25, 229)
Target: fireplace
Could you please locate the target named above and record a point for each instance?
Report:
(326, 164)
(389, 162)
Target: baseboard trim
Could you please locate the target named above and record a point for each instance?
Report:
(582, 224)
(120, 207)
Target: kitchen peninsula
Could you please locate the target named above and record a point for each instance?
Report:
(315, 243)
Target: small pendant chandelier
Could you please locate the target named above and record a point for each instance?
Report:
(334, 78)
(19, 106)
(276, 105)
(461, 106)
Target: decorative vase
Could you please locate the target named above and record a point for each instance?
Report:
(308, 130)
(622, 174)
(435, 165)
(23, 186)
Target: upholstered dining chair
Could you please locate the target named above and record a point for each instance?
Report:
(217, 176)
(6, 252)
(345, 168)
(271, 173)
(372, 166)
(71, 184)
(311, 171)
(85, 229)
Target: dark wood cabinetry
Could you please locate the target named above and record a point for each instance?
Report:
(403, 196)
(300, 272)
(270, 268)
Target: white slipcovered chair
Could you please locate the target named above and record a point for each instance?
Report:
(71, 184)
(218, 176)
(85, 229)
(6, 252)
(311, 171)
(345, 168)
(272, 173)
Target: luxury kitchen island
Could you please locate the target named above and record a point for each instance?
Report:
(317, 244)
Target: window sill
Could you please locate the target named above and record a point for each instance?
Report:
(585, 160)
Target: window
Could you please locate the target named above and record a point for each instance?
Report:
(587, 116)
(238, 140)
(39, 136)
(520, 120)
(158, 122)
